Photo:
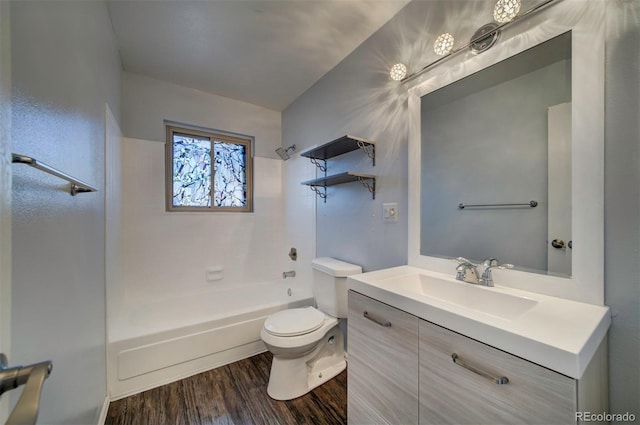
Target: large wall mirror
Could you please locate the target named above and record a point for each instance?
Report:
(506, 156)
(498, 183)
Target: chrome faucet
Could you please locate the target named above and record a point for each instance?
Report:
(291, 273)
(489, 264)
(466, 271)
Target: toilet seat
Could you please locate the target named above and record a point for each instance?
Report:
(294, 322)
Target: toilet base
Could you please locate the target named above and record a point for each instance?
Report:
(292, 378)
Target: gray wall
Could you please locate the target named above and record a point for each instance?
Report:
(65, 67)
(622, 203)
(356, 97)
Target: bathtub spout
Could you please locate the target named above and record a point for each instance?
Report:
(291, 273)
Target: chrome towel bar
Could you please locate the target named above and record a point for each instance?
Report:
(531, 204)
(77, 186)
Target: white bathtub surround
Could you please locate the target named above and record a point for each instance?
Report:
(164, 341)
(165, 319)
(165, 255)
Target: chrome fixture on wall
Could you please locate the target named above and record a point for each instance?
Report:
(286, 153)
(32, 377)
(505, 13)
(76, 186)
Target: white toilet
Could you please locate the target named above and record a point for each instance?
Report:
(307, 343)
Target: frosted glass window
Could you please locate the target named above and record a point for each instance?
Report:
(207, 171)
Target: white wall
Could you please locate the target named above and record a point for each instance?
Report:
(65, 67)
(147, 102)
(165, 255)
(356, 97)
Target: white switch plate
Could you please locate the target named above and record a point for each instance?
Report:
(390, 212)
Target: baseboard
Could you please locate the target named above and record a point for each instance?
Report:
(103, 413)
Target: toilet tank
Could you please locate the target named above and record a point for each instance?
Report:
(330, 284)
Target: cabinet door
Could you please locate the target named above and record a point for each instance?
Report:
(451, 393)
(383, 363)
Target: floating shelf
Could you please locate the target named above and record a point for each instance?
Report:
(367, 180)
(341, 146)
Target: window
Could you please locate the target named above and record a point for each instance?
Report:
(208, 171)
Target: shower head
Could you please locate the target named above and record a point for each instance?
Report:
(286, 153)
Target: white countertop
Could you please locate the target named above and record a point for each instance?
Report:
(556, 333)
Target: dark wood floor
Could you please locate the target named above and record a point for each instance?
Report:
(234, 394)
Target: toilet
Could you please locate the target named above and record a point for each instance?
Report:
(307, 343)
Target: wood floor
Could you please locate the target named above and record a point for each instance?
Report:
(234, 394)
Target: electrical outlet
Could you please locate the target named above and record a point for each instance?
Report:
(390, 212)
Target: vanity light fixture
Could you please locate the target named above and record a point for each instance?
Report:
(506, 10)
(398, 72)
(505, 13)
(444, 44)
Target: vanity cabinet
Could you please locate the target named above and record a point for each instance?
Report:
(383, 363)
(487, 386)
(406, 370)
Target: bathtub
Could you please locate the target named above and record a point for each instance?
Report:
(157, 343)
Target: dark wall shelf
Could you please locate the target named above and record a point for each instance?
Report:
(341, 146)
(320, 184)
(346, 177)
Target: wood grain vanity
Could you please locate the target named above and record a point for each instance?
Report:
(402, 371)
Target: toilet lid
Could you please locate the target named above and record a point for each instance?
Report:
(294, 321)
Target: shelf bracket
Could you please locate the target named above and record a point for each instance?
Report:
(321, 193)
(320, 163)
(371, 187)
(369, 149)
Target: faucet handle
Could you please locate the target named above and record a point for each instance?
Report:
(490, 262)
(467, 272)
(462, 260)
(498, 266)
(487, 278)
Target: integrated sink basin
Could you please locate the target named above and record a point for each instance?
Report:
(557, 333)
(466, 295)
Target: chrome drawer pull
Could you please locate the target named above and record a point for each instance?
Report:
(366, 316)
(499, 381)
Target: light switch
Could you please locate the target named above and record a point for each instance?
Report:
(390, 212)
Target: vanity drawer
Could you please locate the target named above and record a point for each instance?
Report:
(453, 393)
(383, 363)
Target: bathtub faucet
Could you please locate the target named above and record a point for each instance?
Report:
(291, 273)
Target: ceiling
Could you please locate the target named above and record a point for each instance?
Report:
(265, 52)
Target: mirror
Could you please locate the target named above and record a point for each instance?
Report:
(581, 24)
(496, 163)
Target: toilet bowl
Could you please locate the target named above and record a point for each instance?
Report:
(307, 357)
(307, 343)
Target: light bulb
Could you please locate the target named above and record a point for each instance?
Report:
(398, 72)
(443, 44)
(506, 10)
